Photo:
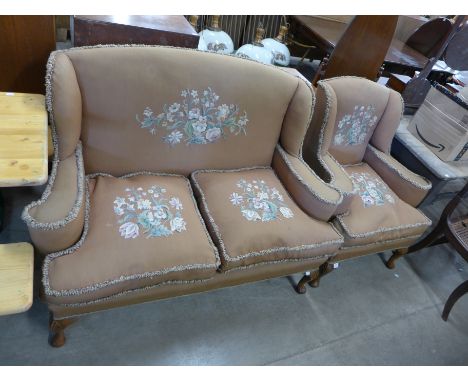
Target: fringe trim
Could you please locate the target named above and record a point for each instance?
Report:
(92, 288)
(218, 235)
(73, 213)
(428, 222)
(283, 155)
(382, 156)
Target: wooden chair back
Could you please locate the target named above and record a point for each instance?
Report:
(429, 37)
(362, 48)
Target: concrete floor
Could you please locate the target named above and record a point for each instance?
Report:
(362, 314)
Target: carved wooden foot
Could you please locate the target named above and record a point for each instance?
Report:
(396, 255)
(301, 285)
(57, 331)
(322, 271)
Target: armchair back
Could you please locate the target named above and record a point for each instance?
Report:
(365, 113)
(172, 110)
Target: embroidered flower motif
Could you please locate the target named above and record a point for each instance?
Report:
(353, 128)
(196, 120)
(129, 230)
(154, 215)
(259, 202)
(373, 191)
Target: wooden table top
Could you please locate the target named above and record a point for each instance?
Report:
(23, 140)
(326, 33)
(16, 277)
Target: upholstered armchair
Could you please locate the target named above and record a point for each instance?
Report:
(348, 145)
(175, 171)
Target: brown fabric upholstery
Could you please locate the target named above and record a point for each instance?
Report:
(311, 193)
(410, 187)
(351, 115)
(56, 221)
(377, 214)
(76, 305)
(166, 110)
(65, 102)
(115, 98)
(121, 250)
(253, 220)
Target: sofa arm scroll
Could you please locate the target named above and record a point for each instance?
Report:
(309, 191)
(56, 220)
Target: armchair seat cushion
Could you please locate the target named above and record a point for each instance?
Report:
(253, 220)
(140, 231)
(376, 214)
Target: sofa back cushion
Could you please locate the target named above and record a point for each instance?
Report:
(176, 110)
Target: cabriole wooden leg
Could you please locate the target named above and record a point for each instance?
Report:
(396, 255)
(301, 285)
(57, 331)
(323, 270)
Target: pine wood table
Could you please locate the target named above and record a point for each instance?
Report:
(23, 140)
(16, 277)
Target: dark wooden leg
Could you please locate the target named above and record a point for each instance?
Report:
(301, 285)
(57, 331)
(323, 270)
(430, 239)
(453, 298)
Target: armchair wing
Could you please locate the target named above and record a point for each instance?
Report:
(410, 187)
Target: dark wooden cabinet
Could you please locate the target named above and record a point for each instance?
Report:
(25, 45)
(127, 29)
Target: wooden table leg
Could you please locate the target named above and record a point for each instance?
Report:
(453, 298)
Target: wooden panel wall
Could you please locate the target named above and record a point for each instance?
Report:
(25, 45)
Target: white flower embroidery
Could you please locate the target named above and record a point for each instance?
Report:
(175, 202)
(178, 224)
(373, 191)
(236, 199)
(155, 215)
(286, 212)
(196, 120)
(263, 205)
(129, 230)
(174, 137)
(353, 128)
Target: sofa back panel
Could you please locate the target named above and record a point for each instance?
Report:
(360, 104)
(177, 110)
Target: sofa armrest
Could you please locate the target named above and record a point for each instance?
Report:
(308, 190)
(410, 187)
(56, 220)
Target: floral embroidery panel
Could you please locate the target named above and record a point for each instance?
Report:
(258, 202)
(353, 128)
(197, 119)
(373, 191)
(148, 212)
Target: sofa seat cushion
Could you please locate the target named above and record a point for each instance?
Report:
(376, 214)
(253, 220)
(140, 230)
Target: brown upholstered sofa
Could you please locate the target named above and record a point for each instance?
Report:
(175, 172)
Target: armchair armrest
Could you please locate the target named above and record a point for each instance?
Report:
(56, 220)
(410, 187)
(308, 190)
(340, 180)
